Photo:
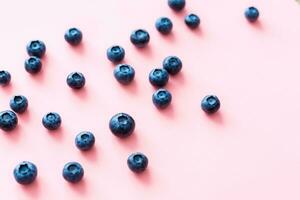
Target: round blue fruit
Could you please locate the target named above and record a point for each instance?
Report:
(164, 25)
(73, 36)
(25, 173)
(85, 140)
(162, 98)
(51, 121)
(159, 77)
(115, 53)
(5, 77)
(251, 14)
(172, 64)
(73, 172)
(210, 104)
(18, 103)
(192, 21)
(8, 120)
(137, 162)
(124, 74)
(76, 80)
(122, 125)
(176, 5)
(140, 38)
(33, 65)
(36, 48)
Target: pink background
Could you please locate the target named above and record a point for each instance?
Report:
(249, 150)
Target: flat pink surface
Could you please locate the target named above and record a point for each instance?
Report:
(250, 150)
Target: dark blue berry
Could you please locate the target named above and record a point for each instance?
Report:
(176, 5)
(4, 77)
(124, 74)
(164, 25)
(192, 21)
(52, 121)
(73, 36)
(122, 125)
(159, 77)
(115, 53)
(251, 14)
(161, 98)
(137, 162)
(210, 104)
(140, 38)
(172, 64)
(8, 120)
(73, 172)
(33, 65)
(85, 140)
(25, 173)
(76, 80)
(18, 103)
(36, 48)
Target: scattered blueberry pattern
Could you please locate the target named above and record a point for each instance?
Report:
(122, 125)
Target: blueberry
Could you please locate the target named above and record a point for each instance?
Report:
(73, 172)
(124, 74)
(73, 36)
(176, 5)
(4, 77)
(115, 53)
(122, 125)
(140, 38)
(161, 98)
(36, 48)
(192, 21)
(251, 14)
(8, 120)
(76, 80)
(33, 65)
(210, 104)
(85, 140)
(137, 162)
(25, 173)
(51, 121)
(172, 64)
(164, 25)
(159, 77)
(18, 103)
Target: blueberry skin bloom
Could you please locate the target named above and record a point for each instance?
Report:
(124, 74)
(172, 64)
(85, 140)
(137, 162)
(33, 65)
(36, 48)
(140, 38)
(8, 120)
(122, 125)
(164, 25)
(5, 78)
(18, 103)
(73, 172)
(251, 14)
(25, 173)
(192, 21)
(210, 104)
(115, 53)
(159, 77)
(51, 121)
(73, 36)
(76, 80)
(176, 5)
(161, 98)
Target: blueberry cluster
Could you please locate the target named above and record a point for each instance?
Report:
(122, 125)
